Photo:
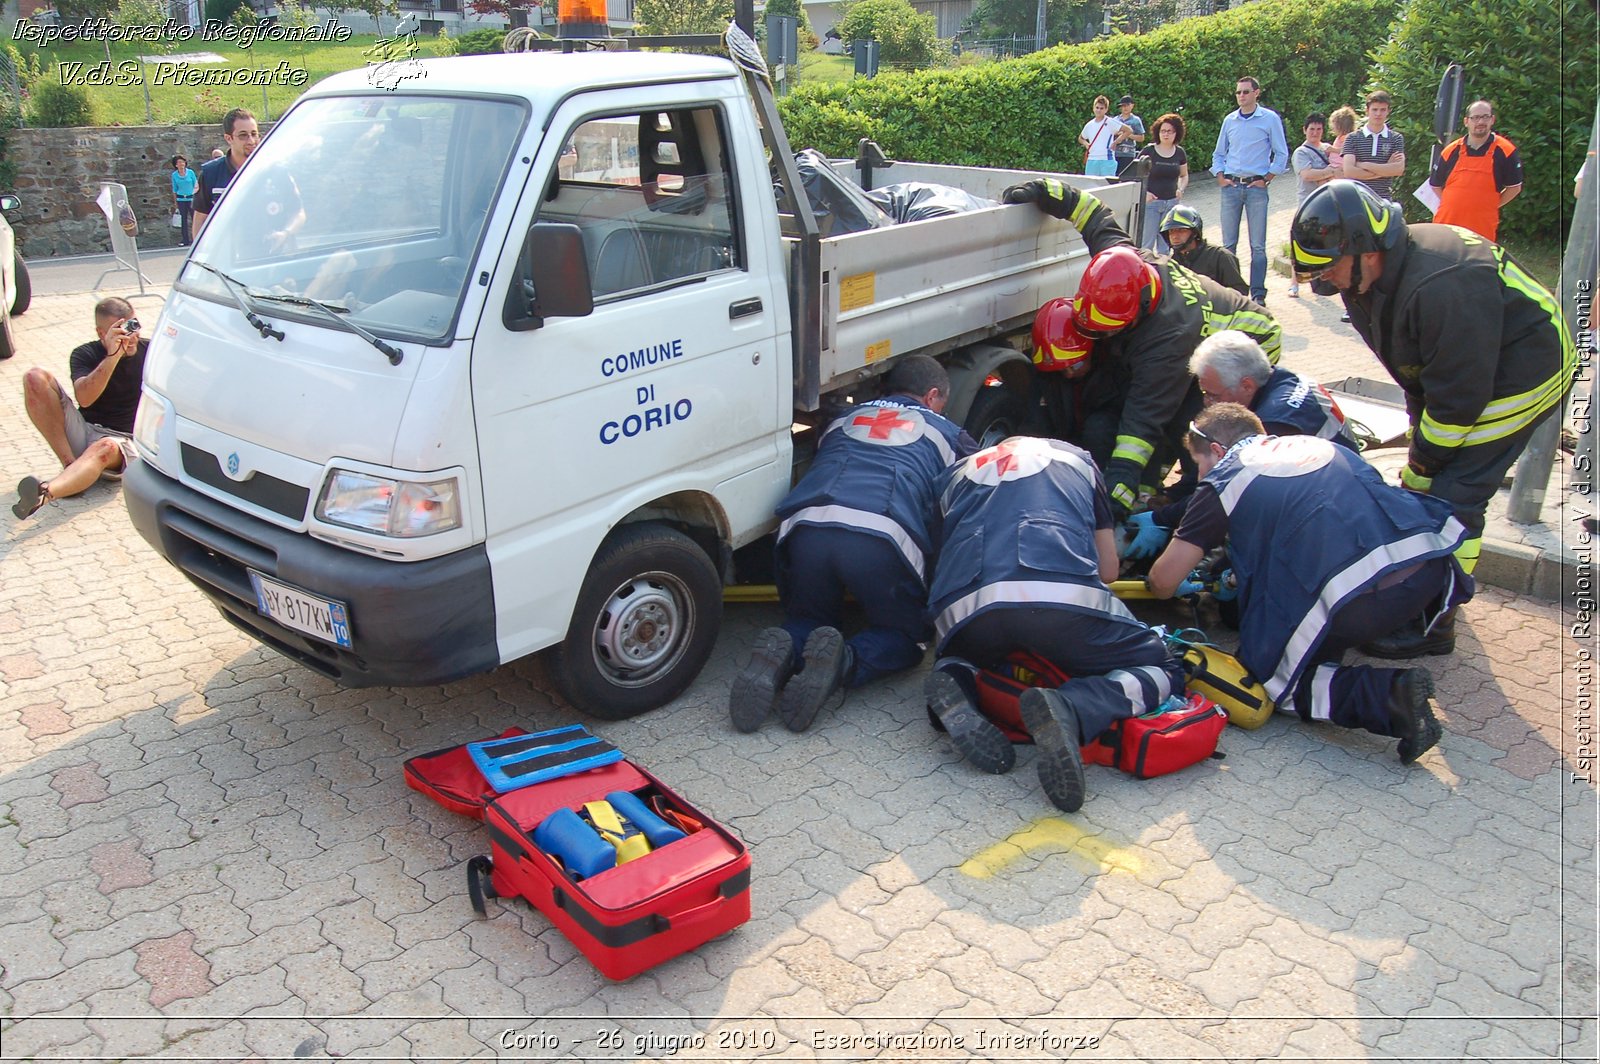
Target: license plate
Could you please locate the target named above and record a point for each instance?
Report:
(320, 618)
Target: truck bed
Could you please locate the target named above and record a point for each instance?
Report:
(935, 285)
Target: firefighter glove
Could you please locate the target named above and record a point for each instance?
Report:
(1148, 537)
(1053, 197)
(1414, 478)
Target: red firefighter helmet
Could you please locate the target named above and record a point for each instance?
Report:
(1116, 289)
(1058, 346)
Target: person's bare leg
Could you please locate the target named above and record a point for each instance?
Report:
(42, 396)
(103, 454)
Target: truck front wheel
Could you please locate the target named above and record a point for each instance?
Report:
(645, 623)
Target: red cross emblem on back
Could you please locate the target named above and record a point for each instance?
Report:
(1012, 459)
(885, 425)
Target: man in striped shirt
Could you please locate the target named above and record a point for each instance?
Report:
(1375, 154)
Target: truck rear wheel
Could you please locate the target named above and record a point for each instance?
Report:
(997, 412)
(645, 623)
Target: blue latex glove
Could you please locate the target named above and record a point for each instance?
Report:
(1148, 537)
(1190, 586)
(1227, 587)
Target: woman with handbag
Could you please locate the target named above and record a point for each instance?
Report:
(183, 186)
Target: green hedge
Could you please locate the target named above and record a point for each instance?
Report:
(1026, 113)
(1534, 60)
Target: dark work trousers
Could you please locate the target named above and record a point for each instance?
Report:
(818, 564)
(1471, 477)
(1357, 696)
(1118, 669)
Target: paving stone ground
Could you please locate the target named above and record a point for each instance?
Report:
(209, 853)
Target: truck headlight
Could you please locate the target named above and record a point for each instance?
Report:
(400, 508)
(148, 422)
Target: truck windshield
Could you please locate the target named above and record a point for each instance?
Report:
(376, 203)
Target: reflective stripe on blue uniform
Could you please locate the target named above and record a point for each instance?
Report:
(1292, 405)
(1312, 529)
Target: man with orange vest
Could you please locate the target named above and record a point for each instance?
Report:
(1476, 175)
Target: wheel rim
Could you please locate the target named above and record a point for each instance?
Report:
(644, 629)
(998, 430)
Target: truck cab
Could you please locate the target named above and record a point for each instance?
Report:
(503, 359)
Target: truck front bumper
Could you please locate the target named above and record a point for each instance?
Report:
(411, 623)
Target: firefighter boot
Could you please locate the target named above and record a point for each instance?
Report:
(827, 664)
(1410, 716)
(1416, 640)
(754, 693)
(1053, 723)
(974, 736)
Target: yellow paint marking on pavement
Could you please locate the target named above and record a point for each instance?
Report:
(1055, 834)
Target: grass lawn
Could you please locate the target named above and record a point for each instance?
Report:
(170, 103)
(816, 68)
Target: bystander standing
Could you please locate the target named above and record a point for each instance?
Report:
(1477, 174)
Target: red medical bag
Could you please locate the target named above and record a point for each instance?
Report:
(634, 916)
(1159, 743)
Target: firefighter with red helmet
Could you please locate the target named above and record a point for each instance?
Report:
(1146, 315)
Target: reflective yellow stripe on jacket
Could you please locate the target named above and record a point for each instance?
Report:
(1510, 414)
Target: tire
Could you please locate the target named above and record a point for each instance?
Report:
(8, 345)
(997, 412)
(646, 621)
(24, 285)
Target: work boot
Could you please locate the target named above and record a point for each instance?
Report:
(1410, 716)
(1412, 642)
(754, 693)
(827, 662)
(31, 495)
(973, 734)
(1053, 723)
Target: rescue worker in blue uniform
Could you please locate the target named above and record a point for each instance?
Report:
(1026, 552)
(1146, 315)
(1480, 348)
(1326, 556)
(863, 520)
(1232, 368)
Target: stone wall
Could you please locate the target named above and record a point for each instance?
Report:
(59, 172)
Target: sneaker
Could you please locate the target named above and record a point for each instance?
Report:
(974, 736)
(31, 494)
(1345, 318)
(1053, 723)
(1410, 716)
(826, 658)
(1412, 641)
(754, 693)
(1293, 291)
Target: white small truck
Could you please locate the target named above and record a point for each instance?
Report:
(514, 353)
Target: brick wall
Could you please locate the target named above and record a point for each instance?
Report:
(59, 172)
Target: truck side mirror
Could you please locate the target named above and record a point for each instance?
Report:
(552, 279)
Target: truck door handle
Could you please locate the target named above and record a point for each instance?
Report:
(743, 308)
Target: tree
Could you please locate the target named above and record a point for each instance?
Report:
(1065, 20)
(1533, 59)
(905, 38)
(683, 16)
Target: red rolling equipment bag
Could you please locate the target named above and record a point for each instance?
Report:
(633, 916)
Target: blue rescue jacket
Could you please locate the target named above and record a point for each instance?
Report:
(878, 470)
(1310, 526)
(1291, 405)
(1019, 532)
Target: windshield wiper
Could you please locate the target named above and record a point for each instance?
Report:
(241, 297)
(394, 354)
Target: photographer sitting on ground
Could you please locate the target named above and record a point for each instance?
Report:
(94, 438)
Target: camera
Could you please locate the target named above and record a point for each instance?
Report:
(131, 325)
